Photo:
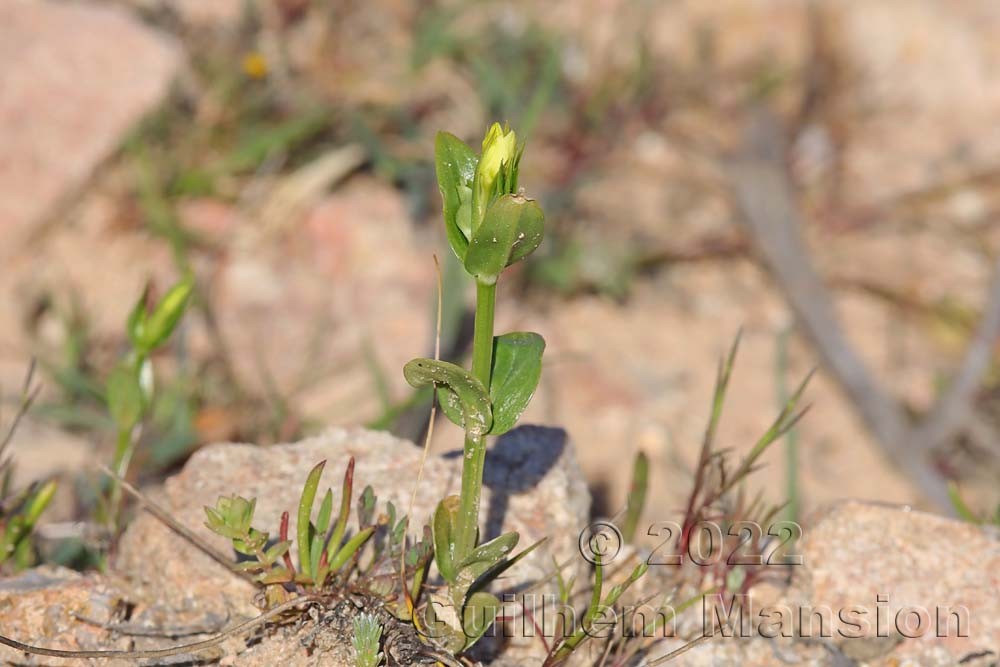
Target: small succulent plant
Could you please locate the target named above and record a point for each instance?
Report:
(366, 641)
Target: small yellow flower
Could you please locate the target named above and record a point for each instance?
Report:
(255, 65)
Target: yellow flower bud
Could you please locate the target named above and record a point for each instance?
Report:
(499, 149)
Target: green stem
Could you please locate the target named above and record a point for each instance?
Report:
(475, 445)
(482, 337)
(123, 456)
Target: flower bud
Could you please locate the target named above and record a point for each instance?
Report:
(496, 174)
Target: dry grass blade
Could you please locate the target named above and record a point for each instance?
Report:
(28, 395)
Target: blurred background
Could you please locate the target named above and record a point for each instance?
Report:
(823, 175)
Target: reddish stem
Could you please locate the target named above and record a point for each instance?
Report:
(283, 536)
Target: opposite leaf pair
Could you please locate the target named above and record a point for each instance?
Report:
(517, 367)
(468, 611)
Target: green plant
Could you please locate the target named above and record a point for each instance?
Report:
(20, 510)
(328, 556)
(129, 387)
(489, 225)
(366, 639)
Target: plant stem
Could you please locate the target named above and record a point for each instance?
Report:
(123, 456)
(482, 337)
(475, 445)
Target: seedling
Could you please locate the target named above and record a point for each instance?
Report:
(129, 387)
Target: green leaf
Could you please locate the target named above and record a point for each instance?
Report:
(304, 529)
(346, 489)
(366, 507)
(319, 531)
(136, 323)
(451, 406)
(486, 556)
(325, 509)
(493, 551)
(455, 164)
(636, 496)
(124, 396)
(511, 230)
(38, 502)
(443, 526)
(517, 367)
(478, 614)
(475, 402)
(442, 624)
(162, 322)
(349, 549)
(276, 551)
(484, 579)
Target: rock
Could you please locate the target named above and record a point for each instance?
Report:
(75, 78)
(886, 570)
(532, 485)
(40, 607)
(933, 581)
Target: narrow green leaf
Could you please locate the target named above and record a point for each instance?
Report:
(319, 531)
(511, 230)
(278, 575)
(164, 318)
(39, 501)
(325, 509)
(304, 526)
(346, 490)
(136, 324)
(350, 548)
(636, 496)
(276, 551)
(517, 367)
(475, 401)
